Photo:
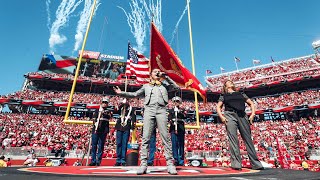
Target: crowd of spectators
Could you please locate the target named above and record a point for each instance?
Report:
(297, 139)
(267, 102)
(91, 98)
(288, 99)
(280, 71)
(70, 77)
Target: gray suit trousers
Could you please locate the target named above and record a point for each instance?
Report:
(155, 114)
(234, 123)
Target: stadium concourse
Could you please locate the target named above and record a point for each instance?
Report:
(286, 129)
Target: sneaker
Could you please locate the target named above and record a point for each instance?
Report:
(142, 170)
(117, 164)
(92, 164)
(150, 163)
(172, 170)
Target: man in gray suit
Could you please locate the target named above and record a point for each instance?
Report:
(155, 101)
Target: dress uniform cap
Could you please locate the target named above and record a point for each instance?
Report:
(105, 99)
(176, 98)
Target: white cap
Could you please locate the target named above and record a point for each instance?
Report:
(105, 99)
(177, 98)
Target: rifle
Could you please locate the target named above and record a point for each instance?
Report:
(98, 118)
(176, 110)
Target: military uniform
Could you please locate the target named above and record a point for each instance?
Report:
(99, 135)
(123, 127)
(177, 135)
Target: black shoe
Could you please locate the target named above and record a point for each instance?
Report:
(117, 164)
(176, 164)
(92, 164)
(98, 164)
(124, 164)
(260, 168)
(238, 169)
(150, 163)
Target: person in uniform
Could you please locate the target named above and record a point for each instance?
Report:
(100, 131)
(236, 118)
(155, 100)
(126, 122)
(177, 117)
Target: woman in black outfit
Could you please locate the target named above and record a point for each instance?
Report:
(235, 118)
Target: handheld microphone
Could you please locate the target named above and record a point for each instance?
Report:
(159, 74)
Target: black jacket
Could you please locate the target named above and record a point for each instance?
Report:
(181, 119)
(131, 121)
(103, 126)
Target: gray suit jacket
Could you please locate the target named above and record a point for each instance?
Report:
(146, 89)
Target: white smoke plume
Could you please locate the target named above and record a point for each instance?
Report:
(177, 25)
(48, 14)
(83, 22)
(137, 24)
(63, 12)
(153, 11)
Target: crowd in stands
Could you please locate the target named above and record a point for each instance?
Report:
(298, 140)
(281, 71)
(91, 98)
(279, 100)
(288, 99)
(70, 77)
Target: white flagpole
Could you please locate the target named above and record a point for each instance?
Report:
(236, 64)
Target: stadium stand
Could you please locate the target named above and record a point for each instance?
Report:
(286, 128)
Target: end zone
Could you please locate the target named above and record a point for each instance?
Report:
(155, 171)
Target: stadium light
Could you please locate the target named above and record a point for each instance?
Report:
(316, 44)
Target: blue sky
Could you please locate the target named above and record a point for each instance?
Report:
(247, 29)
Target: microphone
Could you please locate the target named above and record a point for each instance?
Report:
(159, 74)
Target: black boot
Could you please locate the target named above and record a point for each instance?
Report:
(92, 164)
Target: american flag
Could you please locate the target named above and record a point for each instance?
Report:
(138, 65)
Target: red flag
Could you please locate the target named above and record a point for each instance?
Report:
(165, 59)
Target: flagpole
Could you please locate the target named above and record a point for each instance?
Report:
(193, 67)
(133, 133)
(79, 64)
(236, 65)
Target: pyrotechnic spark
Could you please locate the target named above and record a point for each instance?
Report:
(83, 22)
(63, 12)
